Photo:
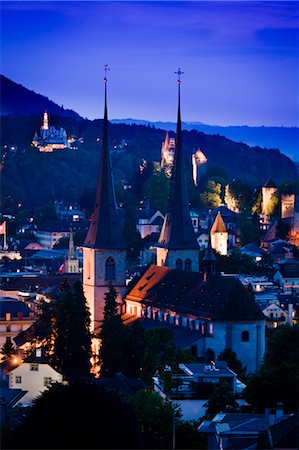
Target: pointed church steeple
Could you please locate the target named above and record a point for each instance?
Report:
(104, 230)
(177, 246)
(177, 231)
(71, 247)
(104, 249)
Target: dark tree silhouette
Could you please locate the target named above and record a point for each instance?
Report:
(233, 362)
(8, 349)
(71, 330)
(110, 308)
(81, 416)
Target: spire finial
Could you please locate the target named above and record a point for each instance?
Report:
(179, 73)
(107, 69)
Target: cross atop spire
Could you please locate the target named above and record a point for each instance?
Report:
(107, 69)
(177, 231)
(179, 73)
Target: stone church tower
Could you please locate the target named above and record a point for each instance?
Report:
(177, 246)
(72, 263)
(104, 249)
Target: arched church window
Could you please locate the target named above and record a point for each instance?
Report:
(110, 269)
(245, 336)
(188, 265)
(179, 264)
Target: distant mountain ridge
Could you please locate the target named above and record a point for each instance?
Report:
(18, 100)
(286, 139)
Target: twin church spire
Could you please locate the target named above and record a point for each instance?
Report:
(104, 231)
(177, 231)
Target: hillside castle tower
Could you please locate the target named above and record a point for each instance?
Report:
(268, 190)
(50, 138)
(177, 246)
(219, 235)
(104, 249)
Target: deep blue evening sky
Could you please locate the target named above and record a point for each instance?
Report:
(240, 58)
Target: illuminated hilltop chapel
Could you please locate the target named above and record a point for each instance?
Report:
(207, 312)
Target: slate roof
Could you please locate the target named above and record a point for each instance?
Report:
(105, 230)
(64, 226)
(119, 382)
(219, 298)
(13, 306)
(10, 397)
(183, 337)
(270, 183)
(34, 283)
(177, 231)
(218, 225)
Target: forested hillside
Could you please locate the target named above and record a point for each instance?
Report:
(31, 177)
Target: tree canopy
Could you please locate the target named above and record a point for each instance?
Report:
(278, 378)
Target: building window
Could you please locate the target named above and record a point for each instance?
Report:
(110, 269)
(34, 367)
(47, 381)
(188, 265)
(7, 316)
(245, 336)
(8, 328)
(18, 380)
(179, 264)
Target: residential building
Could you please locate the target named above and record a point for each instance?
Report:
(276, 315)
(187, 388)
(34, 375)
(248, 431)
(50, 232)
(15, 316)
(149, 222)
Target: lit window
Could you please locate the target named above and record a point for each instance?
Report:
(47, 381)
(18, 379)
(34, 367)
(245, 336)
(110, 269)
